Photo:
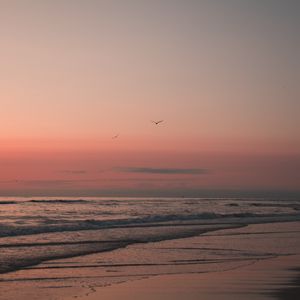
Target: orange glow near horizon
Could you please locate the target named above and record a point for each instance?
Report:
(71, 79)
(109, 169)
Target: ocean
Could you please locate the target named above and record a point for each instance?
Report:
(71, 242)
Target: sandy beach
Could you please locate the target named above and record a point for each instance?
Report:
(216, 261)
(261, 279)
(264, 280)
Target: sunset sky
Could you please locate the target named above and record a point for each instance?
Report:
(223, 75)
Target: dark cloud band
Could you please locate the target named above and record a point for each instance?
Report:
(163, 170)
(73, 171)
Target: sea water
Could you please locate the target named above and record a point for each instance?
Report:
(94, 241)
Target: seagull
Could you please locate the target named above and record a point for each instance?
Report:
(157, 122)
(115, 136)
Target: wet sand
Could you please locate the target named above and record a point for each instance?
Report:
(292, 290)
(259, 262)
(264, 280)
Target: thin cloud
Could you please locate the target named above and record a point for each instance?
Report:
(73, 171)
(51, 183)
(57, 182)
(171, 171)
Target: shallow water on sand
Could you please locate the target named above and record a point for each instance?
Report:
(69, 246)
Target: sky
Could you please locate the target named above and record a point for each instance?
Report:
(223, 75)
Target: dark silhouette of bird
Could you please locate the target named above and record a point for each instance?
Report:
(157, 122)
(115, 136)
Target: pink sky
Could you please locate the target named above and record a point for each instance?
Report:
(223, 75)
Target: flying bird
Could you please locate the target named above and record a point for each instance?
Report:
(115, 136)
(157, 122)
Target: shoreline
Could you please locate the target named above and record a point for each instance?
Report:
(273, 278)
(258, 261)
